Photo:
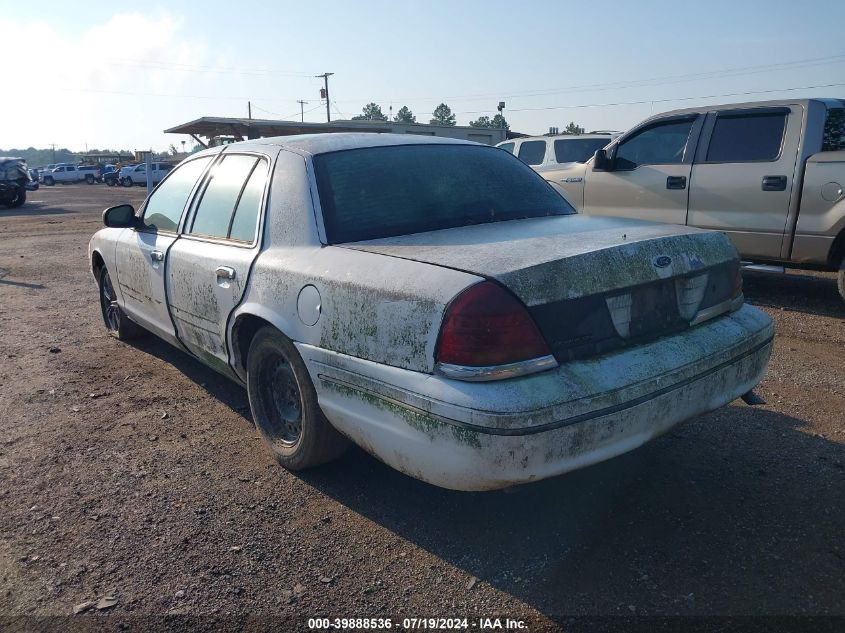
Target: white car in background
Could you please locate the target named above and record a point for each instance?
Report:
(542, 152)
(137, 174)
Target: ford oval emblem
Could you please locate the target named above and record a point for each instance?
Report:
(662, 261)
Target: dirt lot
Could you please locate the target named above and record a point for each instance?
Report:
(132, 471)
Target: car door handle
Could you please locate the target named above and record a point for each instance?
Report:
(774, 183)
(157, 256)
(676, 182)
(225, 272)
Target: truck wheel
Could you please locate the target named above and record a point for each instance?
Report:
(127, 182)
(19, 199)
(117, 323)
(284, 404)
(110, 182)
(89, 179)
(840, 279)
(48, 180)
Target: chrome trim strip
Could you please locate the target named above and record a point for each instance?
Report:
(496, 372)
(731, 305)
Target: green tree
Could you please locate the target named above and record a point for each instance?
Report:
(499, 122)
(405, 115)
(482, 121)
(573, 128)
(442, 115)
(370, 112)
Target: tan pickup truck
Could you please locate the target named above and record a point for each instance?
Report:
(771, 175)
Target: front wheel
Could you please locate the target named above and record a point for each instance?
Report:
(117, 323)
(110, 182)
(284, 404)
(840, 279)
(127, 182)
(89, 179)
(49, 181)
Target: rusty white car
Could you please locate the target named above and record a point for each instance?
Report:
(434, 301)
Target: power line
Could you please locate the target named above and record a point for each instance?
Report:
(644, 101)
(156, 65)
(638, 83)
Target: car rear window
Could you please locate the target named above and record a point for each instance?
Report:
(377, 192)
(577, 150)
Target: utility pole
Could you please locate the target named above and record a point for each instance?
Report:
(326, 76)
(53, 145)
(249, 109)
(301, 110)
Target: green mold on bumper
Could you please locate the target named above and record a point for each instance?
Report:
(484, 436)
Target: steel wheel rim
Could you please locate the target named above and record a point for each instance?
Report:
(111, 312)
(283, 400)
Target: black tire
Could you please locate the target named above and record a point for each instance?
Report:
(89, 178)
(840, 279)
(110, 182)
(49, 181)
(19, 199)
(117, 323)
(127, 182)
(284, 404)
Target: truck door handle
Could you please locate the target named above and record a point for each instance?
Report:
(157, 256)
(774, 183)
(676, 182)
(225, 272)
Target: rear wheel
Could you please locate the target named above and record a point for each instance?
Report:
(841, 279)
(49, 181)
(284, 404)
(110, 182)
(117, 323)
(18, 199)
(89, 178)
(127, 182)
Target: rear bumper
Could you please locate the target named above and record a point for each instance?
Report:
(480, 436)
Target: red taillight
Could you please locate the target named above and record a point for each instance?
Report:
(485, 325)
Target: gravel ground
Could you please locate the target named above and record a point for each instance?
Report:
(133, 472)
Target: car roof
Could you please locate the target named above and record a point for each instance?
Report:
(337, 141)
(556, 137)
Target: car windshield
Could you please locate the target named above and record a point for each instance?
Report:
(377, 192)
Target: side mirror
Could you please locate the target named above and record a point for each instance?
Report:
(120, 217)
(601, 161)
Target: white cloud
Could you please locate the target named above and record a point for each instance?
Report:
(77, 88)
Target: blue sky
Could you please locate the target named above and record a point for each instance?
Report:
(121, 74)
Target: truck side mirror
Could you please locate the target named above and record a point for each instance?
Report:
(120, 217)
(601, 161)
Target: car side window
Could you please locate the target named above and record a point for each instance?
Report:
(746, 137)
(508, 147)
(532, 152)
(228, 207)
(164, 208)
(662, 143)
(245, 220)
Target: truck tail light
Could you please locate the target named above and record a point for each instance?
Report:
(486, 326)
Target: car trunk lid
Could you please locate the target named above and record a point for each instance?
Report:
(590, 283)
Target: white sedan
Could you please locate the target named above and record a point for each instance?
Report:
(434, 301)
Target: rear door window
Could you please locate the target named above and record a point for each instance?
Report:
(740, 138)
(164, 208)
(532, 152)
(508, 147)
(229, 205)
(662, 143)
(834, 130)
